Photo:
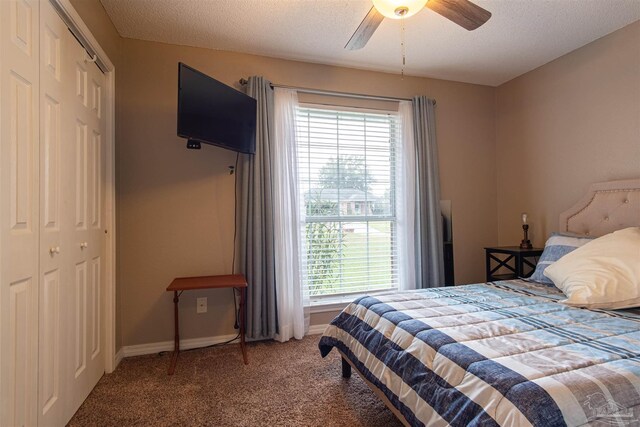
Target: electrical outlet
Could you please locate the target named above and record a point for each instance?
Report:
(201, 305)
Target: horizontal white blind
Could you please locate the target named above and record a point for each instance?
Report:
(347, 162)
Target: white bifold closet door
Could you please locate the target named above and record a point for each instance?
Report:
(84, 176)
(19, 211)
(52, 194)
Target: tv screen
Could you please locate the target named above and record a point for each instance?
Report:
(211, 112)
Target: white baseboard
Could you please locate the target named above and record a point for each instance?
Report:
(118, 358)
(157, 347)
(316, 329)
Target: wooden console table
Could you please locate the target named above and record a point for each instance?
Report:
(181, 284)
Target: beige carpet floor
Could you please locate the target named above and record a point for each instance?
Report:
(284, 385)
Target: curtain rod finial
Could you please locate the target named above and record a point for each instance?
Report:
(243, 81)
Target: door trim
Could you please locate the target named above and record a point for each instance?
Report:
(91, 45)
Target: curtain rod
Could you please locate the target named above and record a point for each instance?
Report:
(334, 93)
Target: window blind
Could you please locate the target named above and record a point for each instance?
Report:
(347, 174)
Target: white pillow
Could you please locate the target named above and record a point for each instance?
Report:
(604, 273)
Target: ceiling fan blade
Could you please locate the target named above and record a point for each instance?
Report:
(462, 12)
(365, 30)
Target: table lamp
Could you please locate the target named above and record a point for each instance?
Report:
(526, 243)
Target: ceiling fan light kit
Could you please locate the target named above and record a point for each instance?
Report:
(462, 12)
(396, 9)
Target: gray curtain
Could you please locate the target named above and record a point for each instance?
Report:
(254, 222)
(429, 256)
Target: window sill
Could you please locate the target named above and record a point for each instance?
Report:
(323, 304)
(316, 307)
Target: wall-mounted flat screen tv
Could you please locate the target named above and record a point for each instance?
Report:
(213, 113)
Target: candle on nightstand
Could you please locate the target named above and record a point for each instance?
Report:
(524, 217)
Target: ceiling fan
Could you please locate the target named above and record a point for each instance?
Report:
(462, 12)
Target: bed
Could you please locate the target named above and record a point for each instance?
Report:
(502, 353)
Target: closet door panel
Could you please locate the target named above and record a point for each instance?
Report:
(81, 175)
(50, 162)
(23, 27)
(96, 181)
(55, 268)
(49, 380)
(22, 143)
(22, 323)
(95, 233)
(86, 106)
(95, 312)
(80, 319)
(19, 221)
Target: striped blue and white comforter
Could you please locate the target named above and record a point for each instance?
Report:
(506, 354)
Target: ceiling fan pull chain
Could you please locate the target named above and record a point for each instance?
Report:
(402, 46)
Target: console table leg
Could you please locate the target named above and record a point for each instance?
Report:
(176, 337)
(243, 295)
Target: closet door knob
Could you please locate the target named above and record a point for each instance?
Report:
(84, 245)
(54, 250)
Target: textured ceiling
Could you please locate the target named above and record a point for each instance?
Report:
(520, 36)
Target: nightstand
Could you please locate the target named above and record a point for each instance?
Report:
(517, 261)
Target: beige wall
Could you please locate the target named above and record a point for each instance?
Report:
(534, 144)
(176, 206)
(563, 126)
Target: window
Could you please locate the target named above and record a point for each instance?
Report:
(347, 165)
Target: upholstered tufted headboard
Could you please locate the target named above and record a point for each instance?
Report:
(607, 207)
